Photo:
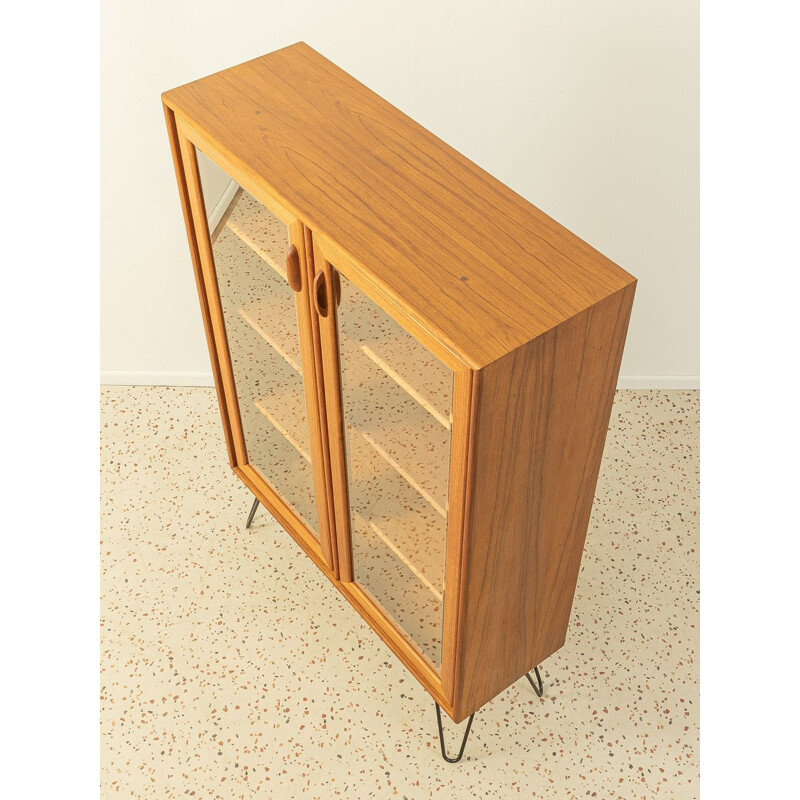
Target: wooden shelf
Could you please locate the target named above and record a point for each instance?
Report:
(261, 295)
(280, 464)
(369, 529)
(395, 425)
(395, 589)
(281, 410)
(260, 230)
(283, 462)
(416, 388)
(407, 362)
(390, 507)
(384, 504)
(268, 382)
(264, 318)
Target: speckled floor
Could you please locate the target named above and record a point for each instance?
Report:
(232, 669)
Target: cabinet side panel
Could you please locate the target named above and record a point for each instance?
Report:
(542, 418)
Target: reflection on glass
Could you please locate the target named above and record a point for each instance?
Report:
(249, 245)
(397, 407)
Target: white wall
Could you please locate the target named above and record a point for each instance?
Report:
(588, 109)
(214, 182)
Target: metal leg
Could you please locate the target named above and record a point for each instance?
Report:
(252, 513)
(441, 736)
(538, 689)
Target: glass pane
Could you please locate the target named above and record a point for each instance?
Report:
(249, 245)
(397, 408)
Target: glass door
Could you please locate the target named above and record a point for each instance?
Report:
(257, 275)
(396, 417)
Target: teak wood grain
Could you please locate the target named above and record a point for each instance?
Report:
(480, 267)
(541, 423)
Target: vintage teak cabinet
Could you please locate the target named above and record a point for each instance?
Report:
(415, 366)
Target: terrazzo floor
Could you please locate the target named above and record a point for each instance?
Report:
(231, 669)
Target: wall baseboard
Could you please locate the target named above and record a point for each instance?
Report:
(120, 377)
(658, 382)
(144, 378)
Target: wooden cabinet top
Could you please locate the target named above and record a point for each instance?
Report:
(472, 262)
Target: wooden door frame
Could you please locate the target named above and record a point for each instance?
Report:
(194, 250)
(185, 141)
(444, 684)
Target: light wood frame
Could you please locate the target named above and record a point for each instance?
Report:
(185, 141)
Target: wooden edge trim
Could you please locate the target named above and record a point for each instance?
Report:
(433, 339)
(172, 130)
(322, 415)
(331, 370)
(458, 547)
(456, 521)
(212, 294)
(297, 238)
(361, 601)
(357, 598)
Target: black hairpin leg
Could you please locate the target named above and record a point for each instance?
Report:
(538, 689)
(441, 736)
(252, 513)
